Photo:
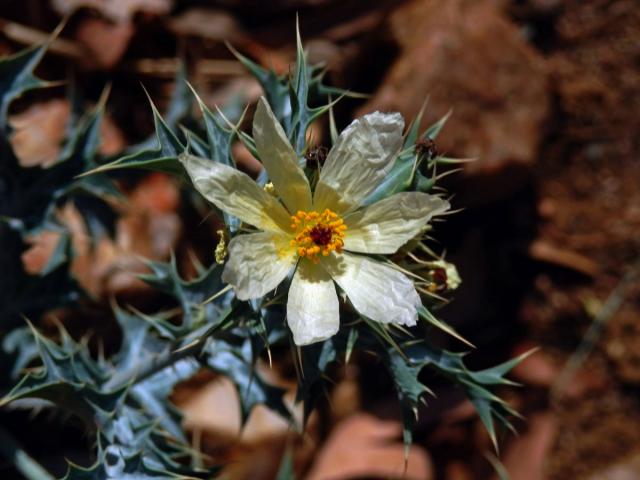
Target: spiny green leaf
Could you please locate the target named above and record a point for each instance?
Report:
(16, 77)
(314, 360)
(351, 342)
(152, 394)
(181, 100)
(61, 254)
(497, 465)
(219, 137)
(237, 364)
(425, 314)
(68, 377)
(290, 98)
(495, 375)
(34, 193)
(134, 417)
(434, 130)
(490, 408)
(22, 345)
(274, 86)
(161, 157)
(114, 466)
(189, 294)
(286, 471)
(298, 97)
(410, 390)
(219, 146)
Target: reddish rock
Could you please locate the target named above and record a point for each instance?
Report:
(467, 56)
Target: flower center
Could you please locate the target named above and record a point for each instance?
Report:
(317, 233)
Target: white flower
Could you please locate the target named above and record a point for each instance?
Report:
(320, 235)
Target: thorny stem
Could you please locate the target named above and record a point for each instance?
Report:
(610, 307)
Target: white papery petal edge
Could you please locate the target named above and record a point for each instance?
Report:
(256, 265)
(280, 160)
(361, 158)
(377, 291)
(390, 223)
(236, 193)
(313, 312)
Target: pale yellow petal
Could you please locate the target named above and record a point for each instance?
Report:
(376, 290)
(237, 194)
(361, 158)
(313, 312)
(257, 264)
(280, 160)
(390, 223)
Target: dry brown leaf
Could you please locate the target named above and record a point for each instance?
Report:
(209, 23)
(525, 456)
(96, 34)
(157, 193)
(40, 130)
(199, 413)
(41, 249)
(223, 421)
(364, 446)
(546, 252)
(115, 10)
(148, 229)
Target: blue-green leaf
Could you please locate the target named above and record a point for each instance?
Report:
(16, 77)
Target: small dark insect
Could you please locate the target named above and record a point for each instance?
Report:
(427, 149)
(317, 155)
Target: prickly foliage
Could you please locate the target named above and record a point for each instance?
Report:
(124, 399)
(31, 196)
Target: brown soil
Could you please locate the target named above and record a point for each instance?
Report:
(589, 188)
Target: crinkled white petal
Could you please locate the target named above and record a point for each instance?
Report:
(313, 312)
(280, 160)
(236, 193)
(257, 263)
(390, 223)
(360, 159)
(377, 291)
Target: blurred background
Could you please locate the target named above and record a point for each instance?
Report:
(545, 95)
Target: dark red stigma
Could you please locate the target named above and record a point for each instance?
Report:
(439, 275)
(321, 235)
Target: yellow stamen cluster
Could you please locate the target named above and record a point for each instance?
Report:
(317, 233)
(270, 189)
(221, 248)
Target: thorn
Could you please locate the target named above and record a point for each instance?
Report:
(104, 96)
(217, 294)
